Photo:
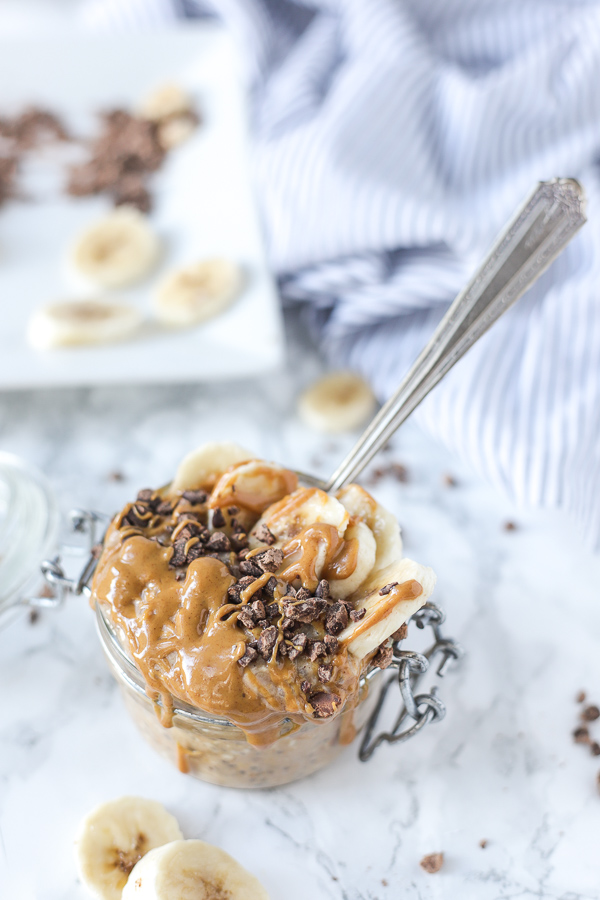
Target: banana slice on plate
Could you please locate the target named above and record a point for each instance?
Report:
(71, 323)
(117, 250)
(306, 506)
(165, 101)
(115, 836)
(196, 293)
(254, 485)
(390, 596)
(381, 522)
(203, 467)
(191, 870)
(341, 401)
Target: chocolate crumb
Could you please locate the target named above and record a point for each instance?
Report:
(581, 735)
(595, 748)
(316, 649)
(449, 480)
(269, 587)
(400, 635)
(483, 843)
(580, 698)
(324, 704)
(115, 476)
(219, 542)
(269, 560)
(246, 617)
(305, 687)
(164, 508)
(331, 643)
(357, 614)
(302, 594)
(218, 519)
(510, 526)
(248, 567)
(33, 616)
(387, 588)
(336, 619)
(432, 863)
(96, 551)
(179, 555)
(305, 612)
(324, 672)
(264, 535)
(322, 589)
(267, 641)
(590, 713)
(249, 656)
(195, 497)
(383, 657)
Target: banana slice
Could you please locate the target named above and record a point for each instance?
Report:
(381, 522)
(196, 293)
(71, 323)
(175, 131)
(303, 507)
(341, 401)
(407, 586)
(165, 101)
(116, 251)
(191, 870)
(115, 836)
(361, 549)
(203, 467)
(255, 485)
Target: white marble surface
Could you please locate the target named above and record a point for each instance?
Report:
(502, 766)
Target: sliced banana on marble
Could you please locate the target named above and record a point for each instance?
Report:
(340, 401)
(116, 251)
(390, 597)
(382, 523)
(115, 836)
(165, 101)
(254, 485)
(191, 870)
(306, 506)
(198, 292)
(72, 323)
(203, 467)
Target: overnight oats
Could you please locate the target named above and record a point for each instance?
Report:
(245, 616)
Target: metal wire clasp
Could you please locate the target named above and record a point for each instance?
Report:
(91, 525)
(411, 667)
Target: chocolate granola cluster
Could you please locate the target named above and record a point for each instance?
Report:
(277, 620)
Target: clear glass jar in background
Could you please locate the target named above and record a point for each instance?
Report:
(29, 521)
(214, 749)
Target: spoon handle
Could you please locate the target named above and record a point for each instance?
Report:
(536, 235)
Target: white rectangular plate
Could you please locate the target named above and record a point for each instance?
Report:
(203, 206)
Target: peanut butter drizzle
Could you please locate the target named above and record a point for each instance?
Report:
(408, 590)
(184, 638)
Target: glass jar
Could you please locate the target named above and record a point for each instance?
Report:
(214, 749)
(28, 533)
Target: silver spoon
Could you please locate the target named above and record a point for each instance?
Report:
(540, 230)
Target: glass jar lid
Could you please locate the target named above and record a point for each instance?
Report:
(28, 530)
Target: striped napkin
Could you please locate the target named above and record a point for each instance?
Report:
(393, 140)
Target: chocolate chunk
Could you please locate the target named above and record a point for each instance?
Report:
(246, 617)
(580, 698)
(336, 619)
(195, 552)
(258, 608)
(273, 611)
(383, 657)
(324, 705)
(239, 540)
(269, 560)
(322, 589)
(387, 588)
(595, 748)
(195, 497)
(248, 567)
(145, 495)
(233, 510)
(179, 556)
(305, 687)
(432, 863)
(290, 591)
(235, 590)
(510, 526)
(218, 519)
(219, 542)
(316, 649)
(590, 713)
(287, 626)
(112, 476)
(164, 508)
(357, 614)
(331, 643)
(263, 535)
(138, 516)
(243, 553)
(267, 641)
(324, 672)
(303, 594)
(400, 635)
(189, 530)
(304, 612)
(449, 480)
(269, 587)
(249, 656)
(483, 843)
(581, 735)
(130, 190)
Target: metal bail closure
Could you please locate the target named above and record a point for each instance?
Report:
(91, 526)
(417, 710)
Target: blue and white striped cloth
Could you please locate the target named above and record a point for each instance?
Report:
(393, 140)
